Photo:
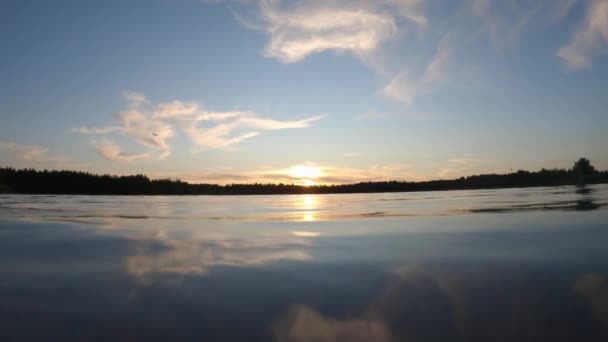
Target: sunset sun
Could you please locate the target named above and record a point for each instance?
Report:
(306, 174)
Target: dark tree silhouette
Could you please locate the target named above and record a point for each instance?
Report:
(583, 167)
(73, 182)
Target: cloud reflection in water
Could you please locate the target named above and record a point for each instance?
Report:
(435, 304)
(197, 255)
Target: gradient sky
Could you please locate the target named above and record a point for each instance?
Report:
(307, 92)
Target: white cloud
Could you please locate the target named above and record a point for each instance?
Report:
(296, 33)
(224, 135)
(270, 124)
(153, 126)
(317, 26)
(136, 123)
(111, 151)
(363, 28)
(591, 38)
(392, 37)
(217, 137)
(145, 129)
(176, 109)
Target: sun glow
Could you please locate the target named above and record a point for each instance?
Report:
(308, 182)
(305, 172)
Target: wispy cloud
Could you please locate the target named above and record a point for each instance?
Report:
(146, 130)
(504, 22)
(590, 39)
(200, 252)
(153, 125)
(401, 88)
(224, 135)
(404, 89)
(436, 69)
(136, 123)
(35, 155)
(301, 29)
(310, 27)
(377, 31)
(111, 151)
(134, 99)
(25, 152)
(362, 28)
(95, 130)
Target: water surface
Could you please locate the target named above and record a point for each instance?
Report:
(486, 265)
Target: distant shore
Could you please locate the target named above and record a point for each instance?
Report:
(30, 181)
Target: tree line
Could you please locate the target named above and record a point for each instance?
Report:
(31, 181)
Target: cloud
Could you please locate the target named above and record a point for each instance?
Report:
(403, 89)
(269, 124)
(313, 27)
(200, 253)
(504, 21)
(25, 152)
(146, 129)
(110, 151)
(393, 37)
(400, 88)
(95, 130)
(301, 29)
(225, 134)
(304, 323)
(218, 137)
(436, 69)
(420, 302)
(590, 39)
(134, 98)
(153, 125)
(36, 155)
(176, 109)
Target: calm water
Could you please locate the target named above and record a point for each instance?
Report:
(488, 265)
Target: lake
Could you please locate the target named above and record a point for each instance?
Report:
(486, 265)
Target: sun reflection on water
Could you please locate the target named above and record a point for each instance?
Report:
(308, 204)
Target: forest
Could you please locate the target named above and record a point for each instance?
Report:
(31, 181)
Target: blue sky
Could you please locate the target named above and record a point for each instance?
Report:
(307, 92)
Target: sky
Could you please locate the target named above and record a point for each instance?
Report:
(305, 92)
